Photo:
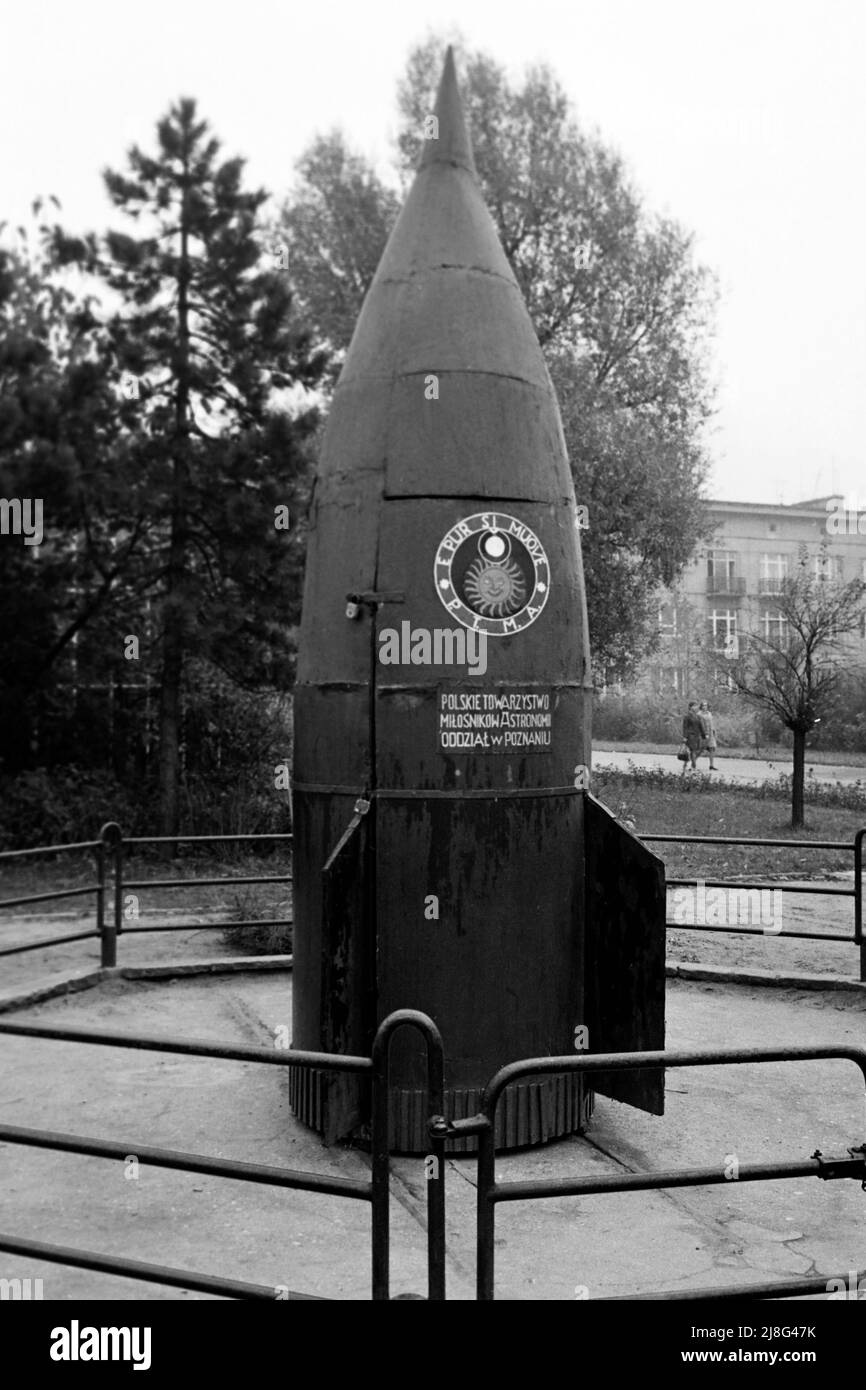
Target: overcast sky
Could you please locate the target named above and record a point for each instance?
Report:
(744, 119)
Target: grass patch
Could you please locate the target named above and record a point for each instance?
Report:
(665, 803)
(267, 939)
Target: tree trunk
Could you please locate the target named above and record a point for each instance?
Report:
(170, 720)
(173, 634)
(174, 619)
(797, 781)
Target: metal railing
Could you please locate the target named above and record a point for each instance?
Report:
(98, 847)
(376, 1191)
(851, 1165)
(491, 1192)
(732, 584)
(111, 848)
(821, 889)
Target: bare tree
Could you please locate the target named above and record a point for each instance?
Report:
(792, 668)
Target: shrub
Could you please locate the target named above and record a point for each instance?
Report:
(67, 804)
(233, 740)
(610, 783)
(264, 940)
(634, 717)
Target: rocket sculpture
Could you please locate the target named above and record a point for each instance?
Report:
(447, 854)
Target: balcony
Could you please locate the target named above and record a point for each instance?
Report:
(725, 584)
(775, 585)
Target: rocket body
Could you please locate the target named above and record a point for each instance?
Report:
(440, 729)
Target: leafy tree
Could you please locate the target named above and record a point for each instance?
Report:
(336, 226)
(794, 671)
(620, 307)
(61, 443)
(205, 350)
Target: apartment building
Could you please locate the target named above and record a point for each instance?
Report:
(730, 584)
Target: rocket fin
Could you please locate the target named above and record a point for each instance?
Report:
(625, 955)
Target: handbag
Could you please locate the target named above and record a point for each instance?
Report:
(683, 752)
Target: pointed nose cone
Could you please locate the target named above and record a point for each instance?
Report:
(444, 297)
(449, 142)
(444, 394)
(445, 303)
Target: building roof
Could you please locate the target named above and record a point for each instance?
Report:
(814, 506)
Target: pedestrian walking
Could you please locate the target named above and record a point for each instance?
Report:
(708, 729)
(693, 736)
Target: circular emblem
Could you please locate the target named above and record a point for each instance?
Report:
(492, 574)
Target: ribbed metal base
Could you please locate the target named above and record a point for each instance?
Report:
(533, 1112)
(307, 1095)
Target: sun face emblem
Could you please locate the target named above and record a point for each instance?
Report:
(492, 574)
(494, 584)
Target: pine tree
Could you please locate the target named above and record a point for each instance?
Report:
(203, 347)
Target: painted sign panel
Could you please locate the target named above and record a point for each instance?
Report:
(512, 719)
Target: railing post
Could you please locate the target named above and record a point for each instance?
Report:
(486, 1213)
(381, 1154)
(118, 882)
(380, 1163)
(100, 893)
(111, 838)
(858, 899)
(436, 1179)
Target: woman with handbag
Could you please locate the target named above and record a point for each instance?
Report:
(693, 737)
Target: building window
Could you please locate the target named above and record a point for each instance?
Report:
(720, 571)
(724, 680)
(774, 572)
(722, 623)
(775, 627)
(608, 686)
(827, 567)
(671, 679)
(668, 619)
(720, 563)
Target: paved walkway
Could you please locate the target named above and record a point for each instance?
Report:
(732, 769)
(558, 1249)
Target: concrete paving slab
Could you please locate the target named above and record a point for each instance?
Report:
(551, 1249)
(312, 1243)
(135, 946)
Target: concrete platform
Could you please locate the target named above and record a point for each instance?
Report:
(317, 1244)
